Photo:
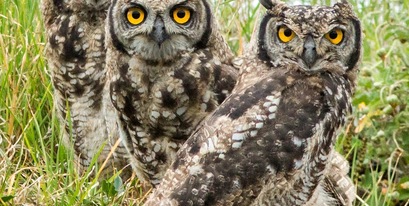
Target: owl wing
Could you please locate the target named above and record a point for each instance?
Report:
(49, 10)
(257, 144)
(225, 77)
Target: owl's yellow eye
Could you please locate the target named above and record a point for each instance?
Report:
(135, 15)
(335, 36)
(181, 15)
(285, 34)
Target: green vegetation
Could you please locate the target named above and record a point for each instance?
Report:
(35, 168)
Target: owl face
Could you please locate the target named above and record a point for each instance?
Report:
(159, 30)
(315, 37)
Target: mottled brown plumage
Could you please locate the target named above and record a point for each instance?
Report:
(168, 68)
(271, 142)
(76, 57)
(337, 183)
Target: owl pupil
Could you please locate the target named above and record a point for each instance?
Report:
(181, 14)
(136, 15)
(333, 35)
(287, 32)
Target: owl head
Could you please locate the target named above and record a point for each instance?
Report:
(317, 38)
(86, 5)
(160, 30)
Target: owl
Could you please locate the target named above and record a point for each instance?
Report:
(271, 142)
(76, 56)
(168, 67)
(337, 184)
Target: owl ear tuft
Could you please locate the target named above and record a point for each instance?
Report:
(344, 3)
(269, 4)
(344, 7)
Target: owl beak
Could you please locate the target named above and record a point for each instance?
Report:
(159, 34)
(309, 54)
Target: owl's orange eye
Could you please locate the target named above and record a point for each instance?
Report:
(285, 34)
(181, 15)
(335, 36)
(135, 15)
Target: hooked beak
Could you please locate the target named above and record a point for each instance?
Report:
(309, 54)
(159, 34)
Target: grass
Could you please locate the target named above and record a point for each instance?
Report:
(36, 169)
